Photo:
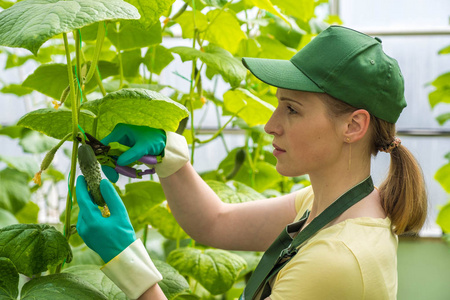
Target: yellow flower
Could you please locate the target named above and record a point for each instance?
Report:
(37, 177)
(56, 104)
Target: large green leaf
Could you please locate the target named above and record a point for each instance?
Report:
(28, 24)
(139, 198)
(442, 81)
(441, 95)
(242, 193)
(268, 6)
(60, 286)
(26, 164)
(131, 60)
(443, 177)
(93, 275)
(186, 21)
(9, 279)
(33, 248)
(300, 9)
(157, 58)
(83, 255)
(52, 79)
(16, 89)
(288, 35)
(274, 49)
(35, 142)
(173, 283)
(129, 35)
(29, 213)
(56, 123)
(132, 106)
(163, 220)
(14, 190)
(250, 108)
(218, 59)
(7, 218)
(224, 30)
(443, 218)
(214, 269)
(150, 11)
(14, 132)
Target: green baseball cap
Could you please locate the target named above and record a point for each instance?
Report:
(344, 63)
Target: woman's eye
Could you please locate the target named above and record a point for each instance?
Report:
(291, 110)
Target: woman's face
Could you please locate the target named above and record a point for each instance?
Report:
(305, 139)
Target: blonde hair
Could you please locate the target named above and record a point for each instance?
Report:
(403, 193)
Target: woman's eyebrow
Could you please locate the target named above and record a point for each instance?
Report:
(283, 98)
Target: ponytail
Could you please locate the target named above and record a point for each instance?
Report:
(403, 194)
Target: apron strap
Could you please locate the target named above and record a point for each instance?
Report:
(276, 259)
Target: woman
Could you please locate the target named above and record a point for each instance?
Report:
(342, 244)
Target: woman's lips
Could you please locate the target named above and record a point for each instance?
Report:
(277, 151)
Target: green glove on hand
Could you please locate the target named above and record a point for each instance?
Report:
(143, 140)
(106, 236)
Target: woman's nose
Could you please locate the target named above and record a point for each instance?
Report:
(271, 127)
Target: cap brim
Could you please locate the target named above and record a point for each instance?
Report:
(280, 73)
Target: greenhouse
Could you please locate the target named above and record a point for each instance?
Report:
(217, 149)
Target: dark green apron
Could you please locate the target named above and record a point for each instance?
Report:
(284, 247)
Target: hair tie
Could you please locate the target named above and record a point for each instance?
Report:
(388, 148)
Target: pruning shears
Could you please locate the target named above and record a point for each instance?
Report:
(107, 156)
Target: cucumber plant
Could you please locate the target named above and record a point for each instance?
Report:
(114, 53)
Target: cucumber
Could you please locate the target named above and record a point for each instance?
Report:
(91, 171)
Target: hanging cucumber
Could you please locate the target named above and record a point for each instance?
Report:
(91, 172)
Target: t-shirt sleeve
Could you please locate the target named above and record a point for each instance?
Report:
(326, 269)
(303, 201)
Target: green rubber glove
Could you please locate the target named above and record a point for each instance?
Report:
(143, 140)
(106, 236)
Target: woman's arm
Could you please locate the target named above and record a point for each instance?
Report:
(153, 293)
(244, 226)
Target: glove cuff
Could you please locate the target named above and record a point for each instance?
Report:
(132, 270)
(176, 155)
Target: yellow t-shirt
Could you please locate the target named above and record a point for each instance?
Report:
(354, 259)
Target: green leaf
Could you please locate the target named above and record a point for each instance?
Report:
(251, 258)
(268, 6)
(173, 284)
(444, 50)
(33, 248)
(25, 164)
(14, 190)
(131, 60)
(157, 58)
(5, 4)
(60, 287)
(150, 11)
(131, 36)
(443, 177)
(274, 49)
(29, 213)
(242, 193)
(16, 89)
(218, 59)
(186, 21)
(442, 81)
(163, 220)
(98, 279)
(35, 142)
(289, 36)
(7, 218)
(216, 3)
(83, 255)
(28, 24)
(56, 123)
(137, 107)
(131, 106)
(141, 197)
(441, 95)
(443, 218)
(247, 106)
(442, 118)
(216, 270)
(9, 279)
(300, 9)
(52, 79)
(14, 132)
(224, 30)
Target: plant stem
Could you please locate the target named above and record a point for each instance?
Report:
(98, 48)
(144, 237)
(218, 132)
(191, 98)
(75, 106)
(99, 82)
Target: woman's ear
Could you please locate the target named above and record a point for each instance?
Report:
(357, 125)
